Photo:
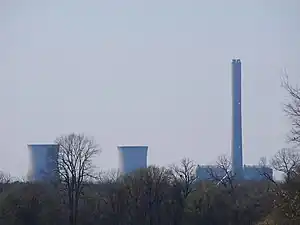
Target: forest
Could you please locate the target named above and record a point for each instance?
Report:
(157, 195)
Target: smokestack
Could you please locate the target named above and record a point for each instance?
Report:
(236, 144)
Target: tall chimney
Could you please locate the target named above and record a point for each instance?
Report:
(236, 144)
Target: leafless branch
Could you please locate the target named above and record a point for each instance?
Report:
(110, 176)
(263, 165)
(76, 152)
(222, 172)
(286, 161)
(5, 178)
(292, 110)
(185, 174)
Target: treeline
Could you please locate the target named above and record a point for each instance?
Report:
(153, 196)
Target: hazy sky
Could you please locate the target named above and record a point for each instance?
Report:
(144, 72)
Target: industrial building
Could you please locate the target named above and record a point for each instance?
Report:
(255, 172)
(210, 172)
(43, 162)
(237, 169)
(132, 158)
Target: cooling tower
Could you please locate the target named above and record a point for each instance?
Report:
(43, 162)
(236, 144)
(132, 158)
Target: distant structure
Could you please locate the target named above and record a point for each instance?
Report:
(237, 135)
(240, 171)
(210, 172)
(43, 162)
(132, 158)
(255, 172)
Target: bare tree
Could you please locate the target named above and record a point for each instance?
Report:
(76, 152)
(185, 174)
(147, 193)
(286, 161)
(287, 200)
(292, 110)
(262, 170)
(222, 172)
(110, 176)
(5, 178)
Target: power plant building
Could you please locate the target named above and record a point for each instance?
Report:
(238, 169)
(210, 172)
(255, 172)
(132, 158)
(43, 162)
(44, 157)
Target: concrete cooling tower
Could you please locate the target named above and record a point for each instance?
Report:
(132, 158)
(43, 162)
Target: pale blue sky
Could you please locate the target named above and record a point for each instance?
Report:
(144, 72)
